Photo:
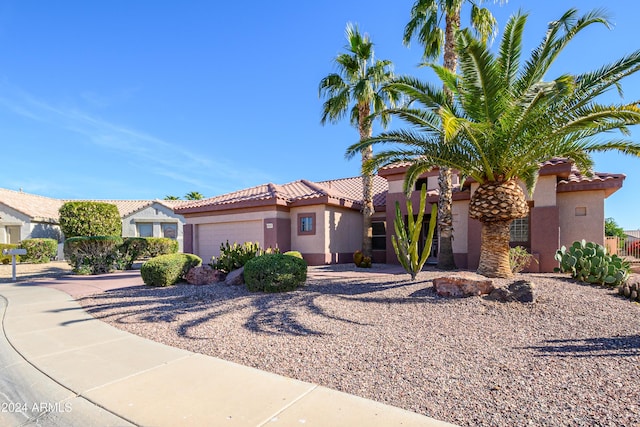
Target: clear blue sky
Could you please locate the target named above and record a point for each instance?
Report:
(142, 99)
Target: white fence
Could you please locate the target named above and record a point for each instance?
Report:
(629, 247)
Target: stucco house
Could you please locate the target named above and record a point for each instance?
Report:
(25, 216)
(322, 220)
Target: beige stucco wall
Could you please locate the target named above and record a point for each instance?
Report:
(589, 227)
(460, 211)
(545, 191)
(156, 214)
(308, 243)
(343, 230)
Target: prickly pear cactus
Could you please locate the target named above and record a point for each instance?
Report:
(590, 262)
(630, 290)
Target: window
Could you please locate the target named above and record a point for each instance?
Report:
(145, 229)
(379, 231)
(170, 230)
(520, 230)
(306, 223)
(13, 234)
(581, 211)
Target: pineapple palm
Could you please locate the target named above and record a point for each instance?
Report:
(425, 26)
(361, 80)
(506, 120)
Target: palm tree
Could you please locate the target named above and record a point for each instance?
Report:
(506, 120)
(425, 24)
(169, 197)
(360, 81)
(193, 195)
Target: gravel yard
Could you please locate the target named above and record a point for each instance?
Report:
(573, 358)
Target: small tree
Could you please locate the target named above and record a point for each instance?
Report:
(611, 228)
(405, 242)
(90, 219)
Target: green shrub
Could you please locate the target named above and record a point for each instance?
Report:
(294, 253)
(39, 251)
(132, 248)
(90, 219)
(235, 256)
(166, 270)
(6, 259)
(275, 273)
(590, 262)
(92, 254)
(157, 246)
(519, 259)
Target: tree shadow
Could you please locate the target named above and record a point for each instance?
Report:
(272, 314)
(623, 346)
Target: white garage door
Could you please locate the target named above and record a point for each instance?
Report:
(211, 236)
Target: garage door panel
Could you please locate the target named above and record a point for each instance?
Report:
(211, 236)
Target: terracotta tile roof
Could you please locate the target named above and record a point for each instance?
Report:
(575, 176)
(36, 207)
(346, 189)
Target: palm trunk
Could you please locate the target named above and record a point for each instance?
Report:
(446, 260)
(445, 221)
(494, 250)
(367, 181)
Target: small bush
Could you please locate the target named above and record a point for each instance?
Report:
(235, 256)
(157, 246)
(590, 262)
(275, 273)
(167, 270)
(519, 259)
(6, 259)
(39, 251)
(294, 253)
(92, 254)
(132, 248)
(90, 219)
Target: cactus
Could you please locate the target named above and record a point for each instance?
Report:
(590, 262)
(405, 241)
(358, 256)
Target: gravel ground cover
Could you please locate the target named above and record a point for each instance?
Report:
(571, 359)
(32, 271)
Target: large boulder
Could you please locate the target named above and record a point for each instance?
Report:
(463, 284)
(518, 291)
(235, 278)
(204, 275)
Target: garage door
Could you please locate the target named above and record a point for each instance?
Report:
(211, 236)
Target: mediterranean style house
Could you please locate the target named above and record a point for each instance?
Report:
(322, 220)
(25, 216)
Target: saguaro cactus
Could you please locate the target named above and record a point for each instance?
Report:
(406, 239)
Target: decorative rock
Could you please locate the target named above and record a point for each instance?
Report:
(463, 284)
(523, 291)
(204, 275)
(518, 291)
(235, 278)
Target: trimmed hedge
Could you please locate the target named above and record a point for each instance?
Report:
(90, 219)
(39, 251)
(6, 259)
(92, 254)
(275, 273)
(167, 270)
(160, 246)
(132, 248)
(294, 253)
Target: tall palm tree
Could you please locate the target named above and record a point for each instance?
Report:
(359, 83)
(506, 120)
(425, 25)
(170, 197)
(193, 195)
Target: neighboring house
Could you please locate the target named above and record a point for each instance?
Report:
(322, 220)
(26, 216)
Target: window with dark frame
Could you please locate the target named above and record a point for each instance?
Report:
(379, 235)
(306, 223)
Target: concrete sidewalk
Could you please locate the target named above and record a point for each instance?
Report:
(110, 377)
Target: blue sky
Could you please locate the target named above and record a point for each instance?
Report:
(142, 99)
